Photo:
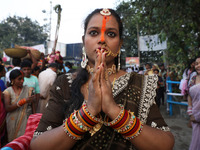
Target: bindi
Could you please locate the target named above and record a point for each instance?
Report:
(106, 13)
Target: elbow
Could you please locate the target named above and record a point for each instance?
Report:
(169, 142)
(8, 109)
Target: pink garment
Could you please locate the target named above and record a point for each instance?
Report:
(184, 87)
(194, 92)
(186, 79)
(23, 142)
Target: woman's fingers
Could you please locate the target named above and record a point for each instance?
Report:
(98, 59)
(97, 70)
(95, 77)
(94, 97)
(104, 74)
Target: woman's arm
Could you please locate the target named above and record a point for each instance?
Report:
(154, 139)
(149, 138)
(189, 101)
(8, 106)
(33, 59)
(57, 139)
(189, 109)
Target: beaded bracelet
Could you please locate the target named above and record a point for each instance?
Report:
(93, 118)
(135, 134)
(69, 131)
(72, 129)
(128, 125)
(128, 130)
(122, 122)
(132, 129)
(87, 118)
(21, 102)
(84, 118)
(117, 119)
(78, 123)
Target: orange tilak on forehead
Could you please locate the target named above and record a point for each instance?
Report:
(103, 29)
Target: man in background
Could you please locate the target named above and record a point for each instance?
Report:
(46, 80)
(31, 81)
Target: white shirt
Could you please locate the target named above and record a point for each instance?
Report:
(8, 73)
(46, 79)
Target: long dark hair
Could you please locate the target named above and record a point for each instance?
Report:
(77, 97)
(189, 66)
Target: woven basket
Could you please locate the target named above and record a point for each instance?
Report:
(15, 52)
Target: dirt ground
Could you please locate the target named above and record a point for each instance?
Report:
(178, 125)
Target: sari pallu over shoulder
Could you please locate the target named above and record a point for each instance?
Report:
(16, 120)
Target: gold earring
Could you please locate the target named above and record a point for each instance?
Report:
(119, 61)
(84, 58)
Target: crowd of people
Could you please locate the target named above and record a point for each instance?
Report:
(99, 105)
(24, 91)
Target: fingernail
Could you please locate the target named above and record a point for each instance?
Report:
(103, 65)
(97, 67)
(97, 55)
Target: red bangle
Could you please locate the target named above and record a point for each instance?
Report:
(21, 102)
(84, 119)
(73, 129)
(117, 119)
(87, 117)
(122, 121)
(133, 128)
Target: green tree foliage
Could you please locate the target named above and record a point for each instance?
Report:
(176, 20)
(20, 31)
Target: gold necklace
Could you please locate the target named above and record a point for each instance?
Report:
(110, 71)
(113, 82)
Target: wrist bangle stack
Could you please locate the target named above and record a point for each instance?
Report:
(78, 123)
(72, 129)
(126, 123)
(87, 118)
(117, 119)
(21, 102)
(133, 129)
(73, 126)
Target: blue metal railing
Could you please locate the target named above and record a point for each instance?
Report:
(170, 96)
